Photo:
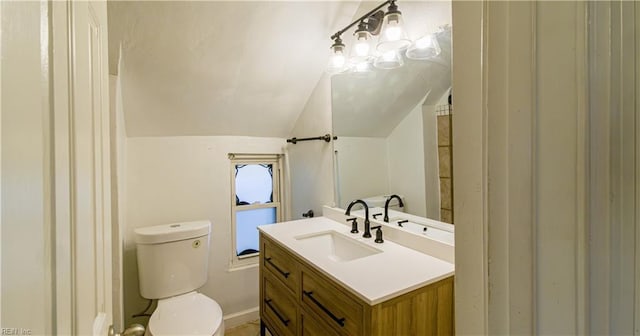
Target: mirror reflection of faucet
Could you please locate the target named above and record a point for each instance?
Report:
(400, 222)
(386, 206)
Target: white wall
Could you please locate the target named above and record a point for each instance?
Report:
(404, 177)
(544, 163)
(614, 125)
(365, 177)
(469, 168)
(560, 224)
(1, 47)
(311, 163)
(26, 236)
(118, 196)
(172, 179)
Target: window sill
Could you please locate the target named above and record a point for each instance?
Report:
(249, 256)
(242, 267)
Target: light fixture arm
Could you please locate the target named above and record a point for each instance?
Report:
(369, 14)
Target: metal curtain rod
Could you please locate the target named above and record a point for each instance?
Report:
(340, 32)
(327, 137)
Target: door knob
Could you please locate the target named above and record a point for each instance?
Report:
(112, 332)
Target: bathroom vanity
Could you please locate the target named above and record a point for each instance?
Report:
(316, 278)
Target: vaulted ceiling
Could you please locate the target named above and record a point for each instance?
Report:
(232, 67)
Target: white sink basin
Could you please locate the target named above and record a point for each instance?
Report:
(336, 246)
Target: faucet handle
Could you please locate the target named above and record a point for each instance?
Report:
(354, 224)
(375, 216)
(378, 239)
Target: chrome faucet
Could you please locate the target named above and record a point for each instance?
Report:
(386, 206)
(367, 224)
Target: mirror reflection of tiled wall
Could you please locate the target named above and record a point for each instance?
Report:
(445, 155)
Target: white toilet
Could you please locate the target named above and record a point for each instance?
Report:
(173, 261)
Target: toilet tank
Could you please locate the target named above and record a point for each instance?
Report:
(173, 258)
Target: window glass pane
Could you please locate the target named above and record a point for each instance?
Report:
(247, 222)
(254, 184)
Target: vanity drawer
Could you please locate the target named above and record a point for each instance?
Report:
(330, 304)
(281, 264)
(279, 306)
(309, 326)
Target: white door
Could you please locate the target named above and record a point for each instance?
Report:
(91, 169)
(82, 168)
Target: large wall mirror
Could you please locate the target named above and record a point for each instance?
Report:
(393, 126)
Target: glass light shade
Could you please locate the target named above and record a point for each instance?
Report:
(362, 47)
(337, 60)
(389, 60)
(393, 35)
(363, 67)
(424, 48)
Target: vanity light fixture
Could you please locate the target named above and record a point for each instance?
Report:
(389, 60)
(337, 59)
(424, 48)
(362, 48)
(388, 52)
(393, 35)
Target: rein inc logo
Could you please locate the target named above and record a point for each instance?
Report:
(15, 331)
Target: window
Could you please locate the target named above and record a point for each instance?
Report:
(255, 200)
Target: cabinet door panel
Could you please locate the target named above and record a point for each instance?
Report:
(330, 304)
(281, 264)
(279, 306)
(309, 326)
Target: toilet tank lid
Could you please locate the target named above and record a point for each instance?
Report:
(172, 232)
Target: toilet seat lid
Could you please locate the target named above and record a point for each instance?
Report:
(188, 314)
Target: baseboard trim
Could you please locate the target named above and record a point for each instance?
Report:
(242, 317)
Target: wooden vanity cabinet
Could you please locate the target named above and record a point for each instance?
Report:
(279, 307)
(309, 326)
(331, 304)
(297, 299)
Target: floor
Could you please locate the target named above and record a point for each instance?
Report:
(248, 329)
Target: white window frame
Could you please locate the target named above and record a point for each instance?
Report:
(240, 262)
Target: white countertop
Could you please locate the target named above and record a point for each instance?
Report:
(375, 278)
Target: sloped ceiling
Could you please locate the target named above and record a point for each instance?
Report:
(219, 68)
(374, 104)
(233, 67)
